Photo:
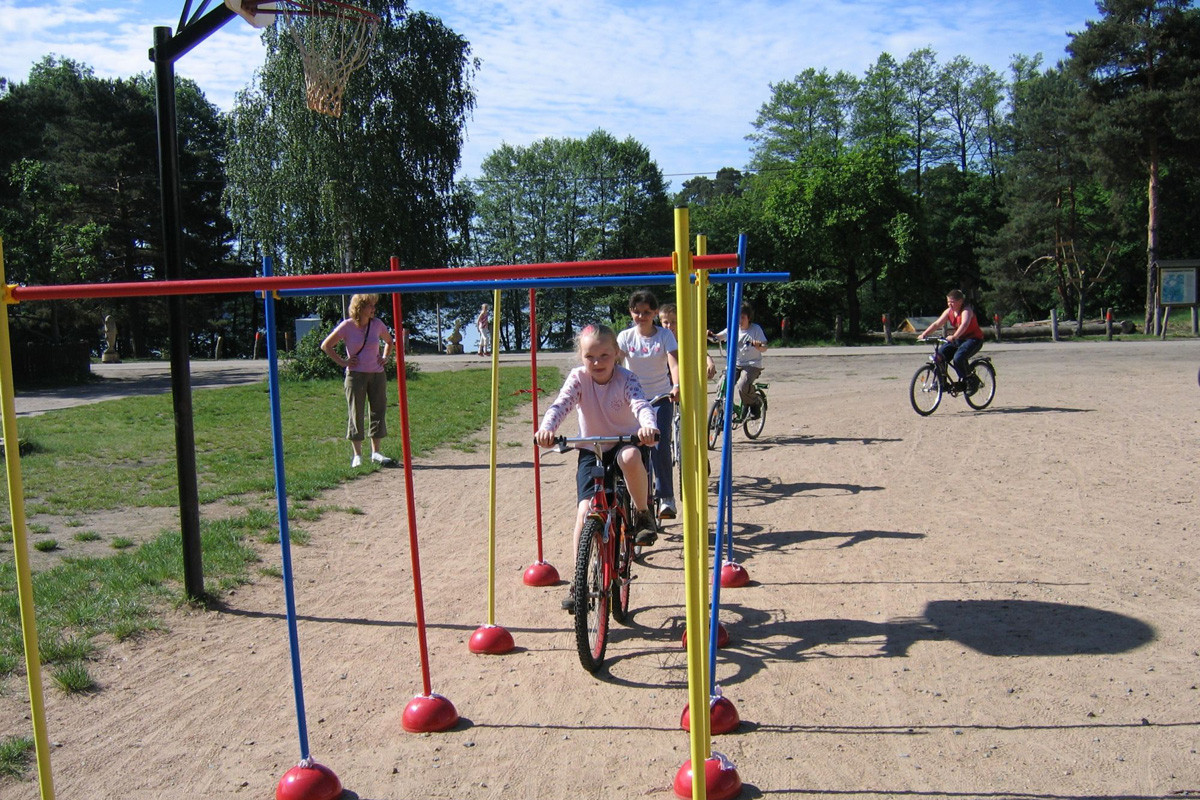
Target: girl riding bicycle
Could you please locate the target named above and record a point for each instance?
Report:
(609, 402)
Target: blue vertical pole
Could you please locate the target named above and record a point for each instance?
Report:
(285, 543)
(725, 484)
(735, 316)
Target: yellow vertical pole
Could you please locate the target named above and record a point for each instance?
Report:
(16, 503)
(491, 601)
(701, 296)
(694, 498)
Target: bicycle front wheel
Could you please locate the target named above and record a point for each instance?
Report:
(716, 421)
(983, 394)
(925, 392)
(591, 596)
(623, 579)
(675, 437)
(753, 426)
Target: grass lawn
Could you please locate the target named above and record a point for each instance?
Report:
(120, 454)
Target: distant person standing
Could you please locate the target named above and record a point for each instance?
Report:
(366, 382)
(484, 323)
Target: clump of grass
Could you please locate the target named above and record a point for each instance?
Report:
(46, 545)
(296, 536)
(74, 523)
(66, 649)
(272, 571)
(87, 536)
(124, 629)
(73, 678)
(38, 527)
(16, 756)
(122, 542)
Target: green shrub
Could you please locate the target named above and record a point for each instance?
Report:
(308, 361)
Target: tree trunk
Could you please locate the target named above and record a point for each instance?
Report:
(1152, 242)
(1079, 312)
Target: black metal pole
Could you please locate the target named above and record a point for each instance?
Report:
(181, 379)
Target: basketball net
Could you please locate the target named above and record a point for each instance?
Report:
(334, 39)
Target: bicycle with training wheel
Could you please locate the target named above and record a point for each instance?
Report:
(932, 380)
(752, 424)
(604, 560)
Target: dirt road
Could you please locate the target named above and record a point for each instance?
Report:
(998, 604)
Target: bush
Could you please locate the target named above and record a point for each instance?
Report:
(308, 361)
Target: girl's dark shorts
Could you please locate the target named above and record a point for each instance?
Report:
(585, 487)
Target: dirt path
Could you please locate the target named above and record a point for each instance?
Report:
(998, 604)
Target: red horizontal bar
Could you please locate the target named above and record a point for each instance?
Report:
(623, 266)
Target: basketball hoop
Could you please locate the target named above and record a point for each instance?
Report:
(334, 39)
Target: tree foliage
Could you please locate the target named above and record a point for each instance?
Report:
(327, 194)
(846, 220)
(80, 202)
(1138, 65)
(561, 200)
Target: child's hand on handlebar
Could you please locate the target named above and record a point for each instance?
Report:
(648, 436)
(544, 437)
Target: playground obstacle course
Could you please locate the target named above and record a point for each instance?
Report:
(428, 711)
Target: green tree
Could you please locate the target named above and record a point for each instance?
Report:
(561, 200)
(923, 107)
(879, 116)
(846, 221)
(1138, 65)
(702, 190)
(80, 199)
(808, 116)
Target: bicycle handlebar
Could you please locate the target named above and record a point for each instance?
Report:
(561, 442)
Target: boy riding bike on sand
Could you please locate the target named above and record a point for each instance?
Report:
(609, 402)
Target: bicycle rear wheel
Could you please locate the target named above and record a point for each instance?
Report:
(591, 596)
(753, 426)
(983, 394)
(716, 421)
(925, 392)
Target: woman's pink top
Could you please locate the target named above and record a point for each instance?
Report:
(363, 343)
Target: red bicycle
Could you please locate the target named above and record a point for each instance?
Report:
(604, 561)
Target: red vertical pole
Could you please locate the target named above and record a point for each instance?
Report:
(409, 496)
(533, 383)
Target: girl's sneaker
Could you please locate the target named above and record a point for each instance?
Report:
(644, 534)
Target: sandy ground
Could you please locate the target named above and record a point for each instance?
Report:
(975, 604)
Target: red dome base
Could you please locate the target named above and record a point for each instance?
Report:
(491, 640)
(722, 636)
(733, 575)
(310, 781)
(540, 573)
(721, 779)
(428, 714)
(722, 714)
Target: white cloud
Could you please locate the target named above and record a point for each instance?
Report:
(686, 78)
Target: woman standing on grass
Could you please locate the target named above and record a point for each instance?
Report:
(366, 381)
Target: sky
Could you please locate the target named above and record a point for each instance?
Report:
(683, 77)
